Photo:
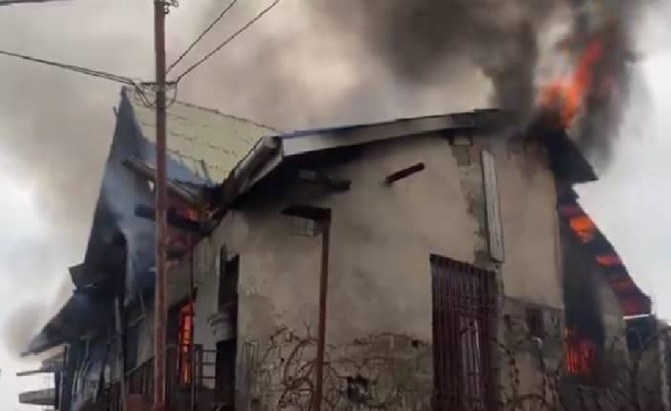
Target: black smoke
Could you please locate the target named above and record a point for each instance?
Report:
(512, 43)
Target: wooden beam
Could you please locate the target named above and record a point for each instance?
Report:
(147, 172)
(406, 172)
(323, 179)
(173, 218)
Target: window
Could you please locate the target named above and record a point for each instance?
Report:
(185, 338)
(228, 280)
(580, 354)
(463, 314)
(535, 323)
(225, 373)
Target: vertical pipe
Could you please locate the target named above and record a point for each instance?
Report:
(121, 360)
(321, 337)
(192, 320)
(160, 317)
(663, 371)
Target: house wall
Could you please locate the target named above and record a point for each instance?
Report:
(613, 315)
(532, 268)
(380, 277)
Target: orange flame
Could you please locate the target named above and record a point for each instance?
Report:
(567, 95)
(608, 260)
(584, 227)
(580, 354)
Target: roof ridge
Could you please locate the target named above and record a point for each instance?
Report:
(132, 94)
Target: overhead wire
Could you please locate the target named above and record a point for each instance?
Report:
(76, 69)
(139, 87)
(203, 34)
(135, 84)
(227, 41)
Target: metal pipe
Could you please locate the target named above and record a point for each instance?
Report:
(323, 291)
(192, 325)
(160, 316)
(121, 360)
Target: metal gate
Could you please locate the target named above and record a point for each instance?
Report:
(464, 300)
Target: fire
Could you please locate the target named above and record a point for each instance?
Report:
(584, 227)
(608, 260)
(580, 354)
(567, 95)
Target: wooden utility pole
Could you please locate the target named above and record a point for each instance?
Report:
(160, 314)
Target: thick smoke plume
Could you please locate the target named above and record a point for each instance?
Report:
(519, 45)
(309, 63)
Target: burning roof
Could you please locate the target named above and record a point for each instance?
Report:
(119, 258)
(205, 142)
(633, 301)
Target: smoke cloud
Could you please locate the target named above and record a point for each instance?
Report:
(22, 325)
(308, 63)
(519, 45)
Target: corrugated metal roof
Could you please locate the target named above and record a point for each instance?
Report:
(207, 142)
(632, 299)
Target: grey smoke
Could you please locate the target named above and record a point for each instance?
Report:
(508, 40)
(21, 325)
(308, 63)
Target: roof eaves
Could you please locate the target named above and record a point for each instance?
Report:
(632, 299)
(321, 139)
(269, 152)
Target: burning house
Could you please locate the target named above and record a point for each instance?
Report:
(437, 261)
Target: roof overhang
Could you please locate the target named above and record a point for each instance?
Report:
(633, 301)
(84, 314)
(270, 152)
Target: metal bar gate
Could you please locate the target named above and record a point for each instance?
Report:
(464, 299)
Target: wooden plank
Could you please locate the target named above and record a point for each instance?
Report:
(494, 224)
(406, 172)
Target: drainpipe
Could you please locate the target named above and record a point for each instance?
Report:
(121, 360)
(192, 303)
(321, 216)
(663, 371)
(323, 290)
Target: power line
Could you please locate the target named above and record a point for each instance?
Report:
(200, 37)
(228, 40)
(76, 69)
(139, 87)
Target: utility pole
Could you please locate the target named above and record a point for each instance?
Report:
(160, 314)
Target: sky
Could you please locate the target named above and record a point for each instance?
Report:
(55, 130)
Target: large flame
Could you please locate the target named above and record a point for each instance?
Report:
(567, 95)
(581, 354)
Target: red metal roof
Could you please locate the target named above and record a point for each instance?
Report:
(632, 299)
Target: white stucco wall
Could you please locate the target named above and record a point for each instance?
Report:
(382, 237)
(381, 240)
(532, 268)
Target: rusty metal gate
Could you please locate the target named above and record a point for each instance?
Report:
(464, 300)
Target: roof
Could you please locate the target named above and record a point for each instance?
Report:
(567, 162)
(45, 397)
(204, 145)
(632, 300)
(207, 142)
(302, 142)
(52, 364)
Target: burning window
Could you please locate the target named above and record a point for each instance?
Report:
(581, 354)
(186, 315)
(585, 334)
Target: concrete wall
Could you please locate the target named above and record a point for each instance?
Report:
(532, 269)
(382, 237)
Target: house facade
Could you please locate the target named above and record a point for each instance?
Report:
(429, 263)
